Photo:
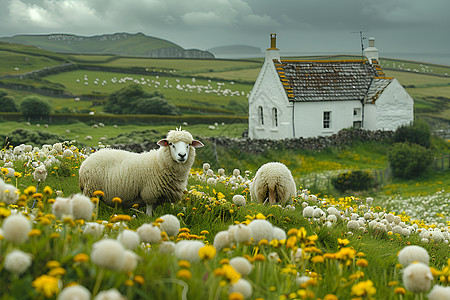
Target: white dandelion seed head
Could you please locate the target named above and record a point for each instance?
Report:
(241, 265)
(417, 277)
(108, 254)
(129, 239)
(171, 224)
(17, 261)
(16, 228)
(149, 233)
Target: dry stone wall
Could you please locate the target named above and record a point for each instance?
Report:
(342, 138)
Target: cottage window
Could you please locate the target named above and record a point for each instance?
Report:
(357, 124)
(261, 116)
(327, 119)
(274, 117)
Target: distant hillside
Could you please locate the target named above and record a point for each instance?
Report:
(235, 50)
(119, 43)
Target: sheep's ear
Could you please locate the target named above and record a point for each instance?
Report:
(196, 144)
(162, 142)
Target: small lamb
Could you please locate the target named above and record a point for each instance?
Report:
(273, 181)
(151, 177)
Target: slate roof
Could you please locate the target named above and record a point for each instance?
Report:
(331, 80)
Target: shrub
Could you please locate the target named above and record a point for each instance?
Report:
(35, 138)
(409, 160)
(33, 107)
(417, 132)
(353, 180)
(134, 100)
(7, 104)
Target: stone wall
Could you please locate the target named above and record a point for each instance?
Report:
(342, 138)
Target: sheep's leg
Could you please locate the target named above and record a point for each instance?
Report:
(149, 210)
(272, 196)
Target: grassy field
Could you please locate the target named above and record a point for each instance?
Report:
(178, 90)
(338, 260)
(431, 93)
(185, 66)
(14, 63)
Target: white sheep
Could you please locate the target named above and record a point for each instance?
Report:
(273, 181)
(151, 177)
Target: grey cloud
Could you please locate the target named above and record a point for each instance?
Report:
(302, 25)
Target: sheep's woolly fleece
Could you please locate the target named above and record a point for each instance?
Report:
(150, 177)
(274, 181)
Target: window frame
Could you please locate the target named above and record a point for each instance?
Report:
(326, 120)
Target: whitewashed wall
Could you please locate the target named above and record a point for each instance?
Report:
(309, 117)
(268, 92)
(394, 107)
(370, 116)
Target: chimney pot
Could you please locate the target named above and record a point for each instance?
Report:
(273, 41)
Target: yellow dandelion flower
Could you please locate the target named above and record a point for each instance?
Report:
(47, 285)
(224, 261)
(363, 288)
(183, 235)
(116, 200)
(81, 257)
(57, 272)
(235, 296)
(99, 194)
(51, 264)
(219, 272)
(48, 191)
(259, 257)
(399, 291)
(263, 242)
(139, 279)
(184, 274)
(30, 190)
(330, 297)
(4, 212)
(207, 252)
(260, 216)
(317, 259)
(204, 232)
(393, 283)
(44, 221)
(231, 274)
(121, 218)
(129, 282)
(362, 262)
(184, 264)
(343, 242)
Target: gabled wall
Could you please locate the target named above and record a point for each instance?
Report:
(394, 107)
(268, 93)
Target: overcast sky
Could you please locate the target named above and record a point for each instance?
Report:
(302, 26)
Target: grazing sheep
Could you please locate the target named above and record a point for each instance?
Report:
(273, 181)
(151, 177)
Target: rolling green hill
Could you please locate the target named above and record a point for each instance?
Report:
(190, 84)
(118, 43)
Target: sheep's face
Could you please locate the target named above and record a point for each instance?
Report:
(180, 150)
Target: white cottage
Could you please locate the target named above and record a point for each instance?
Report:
(298, 98)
